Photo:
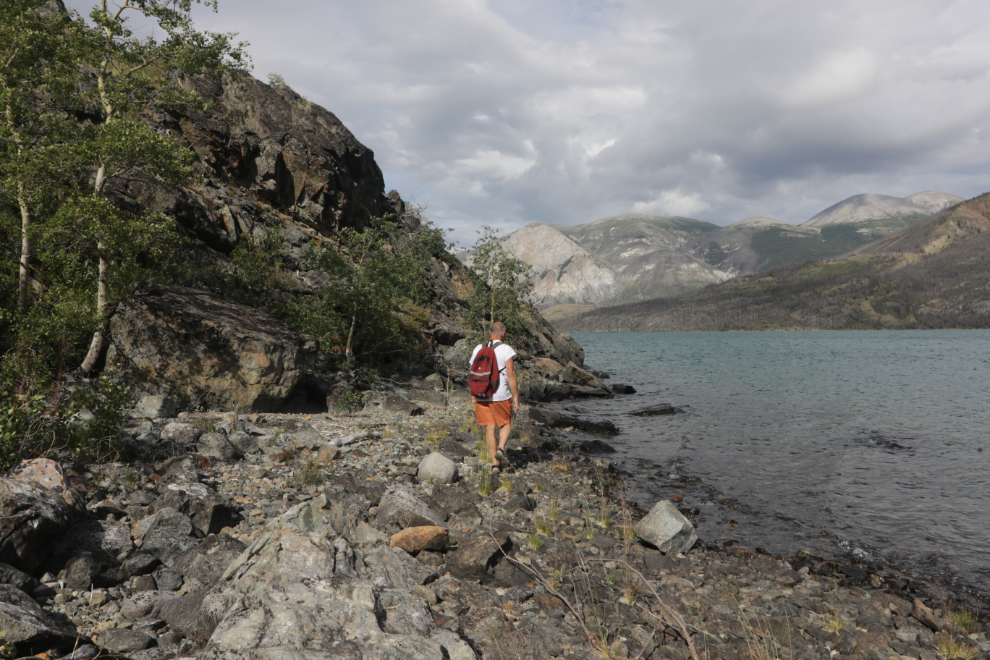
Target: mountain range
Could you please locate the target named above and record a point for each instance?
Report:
(634, 256)
(935, 273)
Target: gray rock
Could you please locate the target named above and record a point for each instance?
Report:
(86, 570)
(459, 499)
(620, 388)
(437, 468)
(181, 433)
(166, 534)
(183, 471)
(394, 567)
(168, 579)
(140, 563)
(16, 578)
(665, 528)
(405, 613)
(218, 446)
(145, 583)
(122, 640)
(155, 406)
(431, 396)
(396, 404)
(244, 442)
(348, 439)
(208, 511)
(28, 626)
(84, 652)
(32, 520)
(144, 603)
(400, 506)
(452, 448)
(301, 436)
(104, 538)
(196, 346)
(477, 556)
(207, 561)
(184, 615)
(289, 595)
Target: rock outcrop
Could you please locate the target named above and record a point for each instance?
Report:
(196, 347)
(32, 519)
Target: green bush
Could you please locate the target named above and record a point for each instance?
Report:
(39, 421)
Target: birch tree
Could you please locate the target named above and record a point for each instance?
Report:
(131, 76)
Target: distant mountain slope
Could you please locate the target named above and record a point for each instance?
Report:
(934, 201)
(634, 256)
(565, 272)
(934, 274)
(642, 252)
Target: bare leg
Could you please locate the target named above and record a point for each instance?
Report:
(490, 441)
(503, 435)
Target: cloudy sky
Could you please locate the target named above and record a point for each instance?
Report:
(507, 112)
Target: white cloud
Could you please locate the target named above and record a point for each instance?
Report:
(673, 202)
(839, 77)
(491, 163)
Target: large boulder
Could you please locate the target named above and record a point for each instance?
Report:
(29, 627)
(667, 529)
(400, 506)
(195, 346)
(32, 520)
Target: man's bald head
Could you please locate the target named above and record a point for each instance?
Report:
(498, 330)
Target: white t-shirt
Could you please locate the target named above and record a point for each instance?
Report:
(503, 353)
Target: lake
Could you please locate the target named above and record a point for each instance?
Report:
(863, 443)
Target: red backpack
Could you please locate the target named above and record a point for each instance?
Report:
(484, 372)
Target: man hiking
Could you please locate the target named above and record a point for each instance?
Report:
(496, 408)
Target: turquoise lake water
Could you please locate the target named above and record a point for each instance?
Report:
(871, 443)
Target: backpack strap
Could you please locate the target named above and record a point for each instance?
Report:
(491, 344)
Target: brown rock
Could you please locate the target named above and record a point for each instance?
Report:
(414, 539)
(45, 471)
(925, 616)
(327, 454)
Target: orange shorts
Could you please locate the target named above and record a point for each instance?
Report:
(498, 413)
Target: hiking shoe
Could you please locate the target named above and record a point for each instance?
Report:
(502, 458)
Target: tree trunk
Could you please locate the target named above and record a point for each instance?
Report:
(96, 346)
(349, 350)
(22, 284)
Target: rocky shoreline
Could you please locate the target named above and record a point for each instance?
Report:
(338, 535)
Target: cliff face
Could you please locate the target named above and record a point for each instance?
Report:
(267, 160)
(564, 272)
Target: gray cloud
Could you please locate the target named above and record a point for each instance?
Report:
(503, 114)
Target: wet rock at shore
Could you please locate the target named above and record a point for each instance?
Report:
(666, 529)
(656, 411)
(619, 388)
(558, 420)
